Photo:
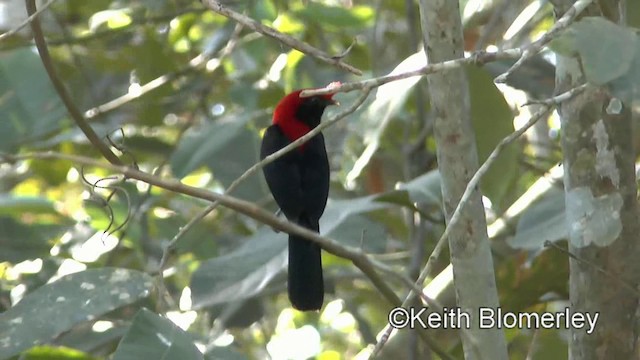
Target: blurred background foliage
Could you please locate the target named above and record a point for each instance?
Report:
(181, 91)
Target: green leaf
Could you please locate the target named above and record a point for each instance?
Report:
(29, 105)
(627, 87)
(90, 341)
(492, 121)
(242, 273)
(153, 337)
(388, 102)
(55, 353)
(338, 211)
(357, 16)
(245, 272)
(226, 353)
(425, 188)
(227, 147)
(360, 232)
(19, 242)
(18, 205)
(265, 10)
(56, 307)
(606, 49)
(543, 220)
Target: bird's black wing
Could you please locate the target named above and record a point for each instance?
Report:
(315, 177)
(283, 176)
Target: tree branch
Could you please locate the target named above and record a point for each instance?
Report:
(283, 38)
(26, 21)
(359, 259)
(475, 58)
(536, 46)
(74, 112)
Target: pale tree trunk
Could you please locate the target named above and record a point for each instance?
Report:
(600, 197)
(474, 277)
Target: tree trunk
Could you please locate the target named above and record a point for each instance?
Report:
(601, 208)
(474, 279)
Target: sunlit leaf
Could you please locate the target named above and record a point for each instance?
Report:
(241, 273)
(19, 241)
(153, 337)
(54, 308)
(543, 220)
(492, 121)
(357, 16)
(29, 106)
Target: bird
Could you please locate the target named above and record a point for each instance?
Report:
(299, 183)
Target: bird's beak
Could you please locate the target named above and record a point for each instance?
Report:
(334, 102)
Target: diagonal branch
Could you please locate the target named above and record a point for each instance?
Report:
(359, 259)
(536, 46)
(161, 80)
(74, 112)
(26, 21)
(283, 38)
(475, 58)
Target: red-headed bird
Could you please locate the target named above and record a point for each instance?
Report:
(299, 182)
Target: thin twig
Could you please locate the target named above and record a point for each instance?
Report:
(476, 58)
(283, 38)
(535, 47)
(193, 64)
(26, 21)
(74, 112)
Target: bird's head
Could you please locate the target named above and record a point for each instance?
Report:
(305, 110)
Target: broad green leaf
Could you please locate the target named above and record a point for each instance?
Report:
(89, 341)
(153, 337)
(627, 87)
(226, 353)
(241, 273)
(264, 10)
(55, 353)
(633, 13)
(18, 205)
(607, 50)
(338, 211)
(527, 280)
(245, 272)
(192, 242)
(357, 16)
(19, 242)
(359, 231)
(548, 344)
(29, 106)
(227, 147)
(387, 103)
(425, 188)
(543, 220)
(56, 307)
(492, 121)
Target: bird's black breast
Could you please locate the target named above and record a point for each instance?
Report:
(299, 181)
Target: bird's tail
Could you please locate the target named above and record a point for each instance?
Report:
(306, 285)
